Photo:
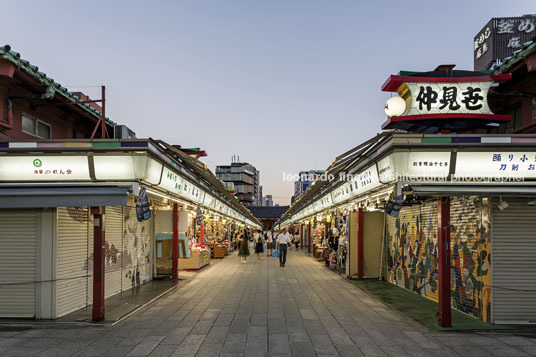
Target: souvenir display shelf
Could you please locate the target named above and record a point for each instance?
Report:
(199, 259)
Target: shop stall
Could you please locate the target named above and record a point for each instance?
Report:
(85, 220)
(409, 191)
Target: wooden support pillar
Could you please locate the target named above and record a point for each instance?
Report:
(175, 244)
(309, 238)
(443, 259)
(98, 262)
(360, 245)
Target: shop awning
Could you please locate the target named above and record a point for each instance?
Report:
(482, 189)
(69, 196)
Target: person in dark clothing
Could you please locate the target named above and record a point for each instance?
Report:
(243, 251)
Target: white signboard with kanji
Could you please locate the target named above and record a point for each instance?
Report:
(44, 168)
(500, 165)
(448, 98)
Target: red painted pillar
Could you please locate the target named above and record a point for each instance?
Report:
(175, 244)
(443, 260)
(98, 263)
(202, 234)
(360, 255)
(301, 236)
(309, 238)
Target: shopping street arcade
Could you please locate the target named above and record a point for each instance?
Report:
(68, 211)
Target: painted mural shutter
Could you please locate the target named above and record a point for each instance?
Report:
(145, 251)
(18, 232)
(470, 248)
(137, 248)
(72, 269)
(399, 231)
(514, 262)
(426, 269)
(390, 243)
(113, 251)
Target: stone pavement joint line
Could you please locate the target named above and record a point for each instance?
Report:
(261, 309)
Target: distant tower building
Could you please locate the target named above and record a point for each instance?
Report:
(245, 179)
(304, 182)
(268, 201)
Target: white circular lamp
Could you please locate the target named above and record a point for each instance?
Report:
(395, 106)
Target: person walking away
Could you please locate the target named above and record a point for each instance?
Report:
(296, 239)
(283, 240)
(243, 251)
(259, 244)
(269, 244)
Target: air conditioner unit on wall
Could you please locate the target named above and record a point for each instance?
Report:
(123, 132)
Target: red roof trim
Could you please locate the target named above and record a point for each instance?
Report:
(394, 81)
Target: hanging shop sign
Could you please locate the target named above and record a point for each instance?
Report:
(209, 201)
(386, 171)
(179, 186)
(414, 166)
(44, 168)
(424, 166)
(364, 181)
(495, 166)
(458, 101)
(127, 167)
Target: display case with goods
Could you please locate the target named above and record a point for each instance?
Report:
(216, 238)
(342, 246)
(319, 241)
(200, 254)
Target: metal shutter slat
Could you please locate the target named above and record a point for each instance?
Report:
(18, 257)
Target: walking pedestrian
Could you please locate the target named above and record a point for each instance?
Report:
(283, 240)
(269, 244)
(296, 239)
(259, 244)
(243, 251)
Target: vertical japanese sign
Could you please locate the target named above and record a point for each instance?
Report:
(500, 38)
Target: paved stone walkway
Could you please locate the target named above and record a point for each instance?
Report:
(258, 309)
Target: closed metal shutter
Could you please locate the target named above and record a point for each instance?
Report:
(470, 253)
(425, 266)
(399, 230)
(90, 260)
(514, 262)
(18, 258)
(412, 249)
(72, 290)
(137, 247)
(114, 253)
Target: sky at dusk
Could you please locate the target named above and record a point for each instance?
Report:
(287, 85)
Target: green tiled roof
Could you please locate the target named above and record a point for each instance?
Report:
(41, 77)
(509, 62)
